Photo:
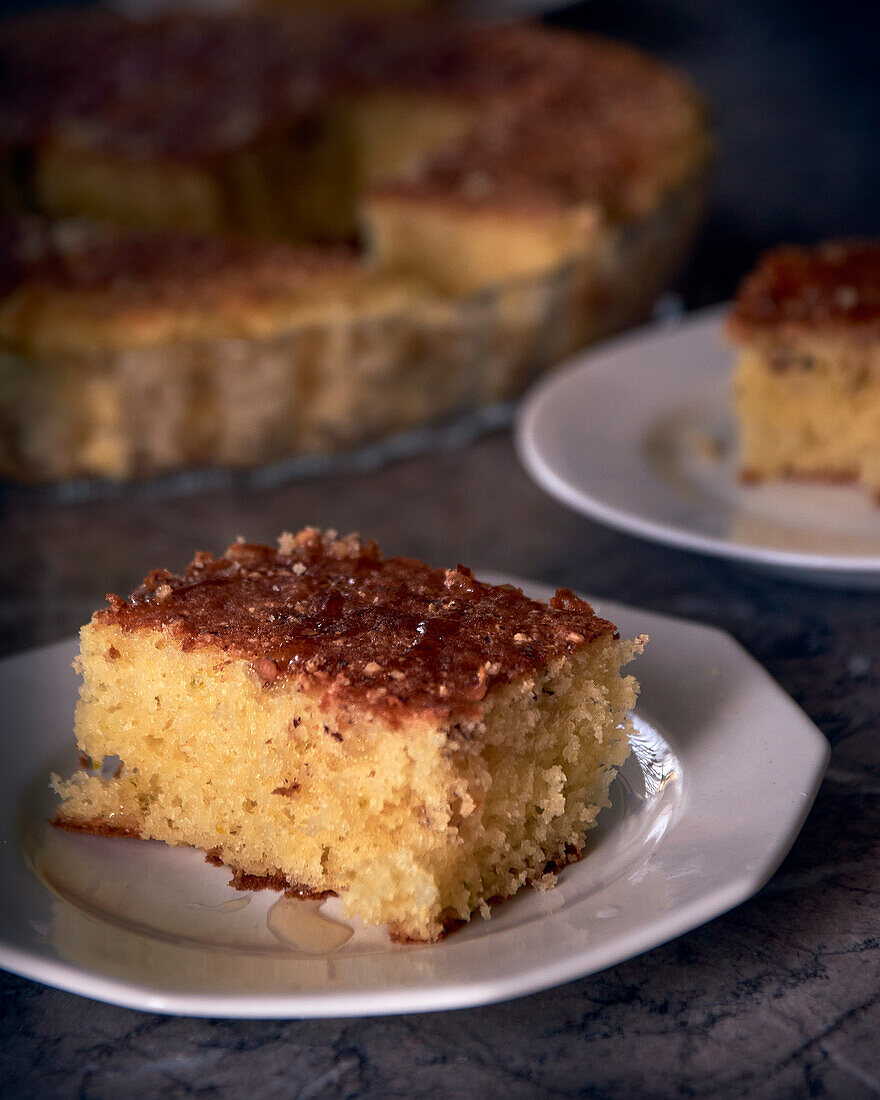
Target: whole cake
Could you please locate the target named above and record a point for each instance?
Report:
(327, 719)
(543, 186)
(807, 383)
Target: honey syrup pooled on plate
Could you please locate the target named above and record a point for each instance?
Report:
(298, 923)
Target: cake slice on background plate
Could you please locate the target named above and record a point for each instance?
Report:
(807, 383)
(412, 739)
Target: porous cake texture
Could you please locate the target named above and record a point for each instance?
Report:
(807, 382)
(410, 738)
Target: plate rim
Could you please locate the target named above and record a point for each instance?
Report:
(574, 371)
(567, 966)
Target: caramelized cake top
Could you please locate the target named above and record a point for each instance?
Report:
(601, 124)
(168, 266)
(183, 85)
(204, 85)
(832, 287)
(69, 282)
(191, 87)
(392, 637)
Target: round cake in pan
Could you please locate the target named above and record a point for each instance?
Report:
(525, 190)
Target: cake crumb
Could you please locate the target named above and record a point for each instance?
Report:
(266, 669)
(286, 543)
(703, 445)
(847, 297)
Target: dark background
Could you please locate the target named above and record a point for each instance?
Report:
(794, 89)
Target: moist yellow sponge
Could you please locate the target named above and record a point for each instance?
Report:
(411, 739)
(807, 384)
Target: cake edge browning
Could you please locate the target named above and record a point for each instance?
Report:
(806, 384)
(831, 289)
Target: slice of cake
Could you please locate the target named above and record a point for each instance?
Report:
(807, 384)
(410, 738)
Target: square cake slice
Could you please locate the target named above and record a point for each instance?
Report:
(412, 739)
(807, 383)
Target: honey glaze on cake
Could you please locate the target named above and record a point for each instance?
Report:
(81, 286)
(142, 268)
(201, 111)
(596, 122)
(180, 85)
(833, 286)
(215, 84)
(387, 636)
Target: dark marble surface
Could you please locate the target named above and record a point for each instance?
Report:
(779, 998)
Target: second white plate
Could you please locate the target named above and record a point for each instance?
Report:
(640, 435)
(724, 770)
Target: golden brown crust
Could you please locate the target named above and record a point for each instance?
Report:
(558, 113)
(97, 828)
(156, 269)
(387, 636)
(244, 882)
(604, 125)
(79, 283)
(186, 87)
(833, 288)
(828, 477)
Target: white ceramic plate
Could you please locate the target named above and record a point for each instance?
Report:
(724, 771)
(639, 435)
